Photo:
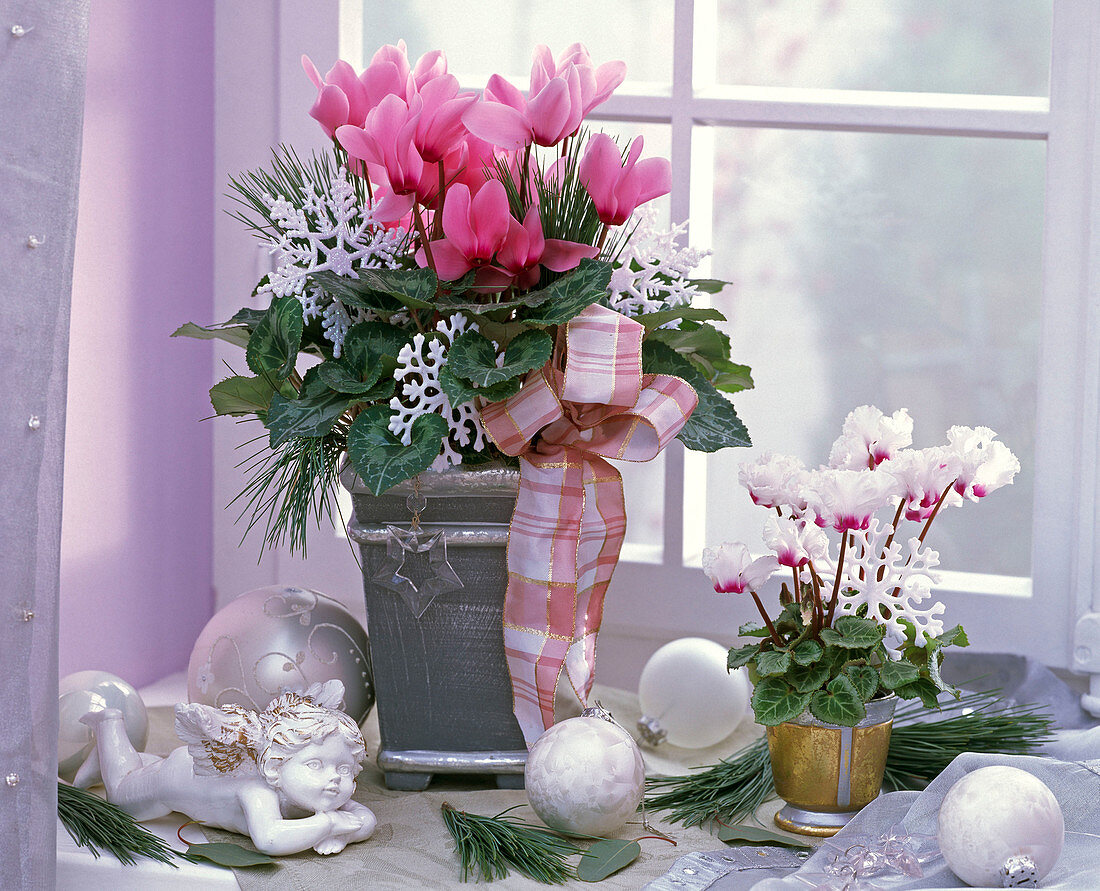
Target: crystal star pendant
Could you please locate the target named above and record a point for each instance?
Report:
(417, 589)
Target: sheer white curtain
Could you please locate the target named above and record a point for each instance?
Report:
(43, 48)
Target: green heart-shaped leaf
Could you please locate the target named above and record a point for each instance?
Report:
(853, 632)
(606, 857)
(735, 835)
(773, 662)
(839, 703)
(807, 652)
(274, 345)
(897, 674)
(954, 636)
(560, 301)
(380, 458)
(739, 656)
(775, 701)
(808, 678)
(226, 854)
(864, 678)
(473, 358)
(922, 688)
(694, 339)
(381, 290)
(311, 414)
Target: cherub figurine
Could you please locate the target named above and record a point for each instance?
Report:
(283, 776)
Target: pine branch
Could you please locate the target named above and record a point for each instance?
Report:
(488, 847)
(94, 824)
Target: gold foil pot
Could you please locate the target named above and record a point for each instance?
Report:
(825, 772)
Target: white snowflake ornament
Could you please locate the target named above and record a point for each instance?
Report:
(908, 571)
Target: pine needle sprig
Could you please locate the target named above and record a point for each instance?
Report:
(730, 791)
(97, 824)
(487, 847)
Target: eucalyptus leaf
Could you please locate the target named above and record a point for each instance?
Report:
(773, 662)
(708, 285)
(240, 395)
(838, 703)
(381, 459)
(864, 678)
(714, 423)
(606, 857)
(235, 334)
(752, 835)
(226, 854)
(274, 345)
(775, 701)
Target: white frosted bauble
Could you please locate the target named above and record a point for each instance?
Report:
(280, 638)
(585, 776)
(993, 814)
(686, 691)
(93, 691)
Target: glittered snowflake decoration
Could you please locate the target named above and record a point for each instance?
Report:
(419, 392)
(653, 269)
(894, 582)
(330, 232)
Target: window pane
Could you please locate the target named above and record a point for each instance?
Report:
(484, 37)
(940, 46)
(901, 271)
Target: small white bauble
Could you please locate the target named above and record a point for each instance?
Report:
(995, 814)
(280, 638)
(688, 697)
(93, 691)
(585, 776)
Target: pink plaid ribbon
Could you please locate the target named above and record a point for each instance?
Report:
(570, 517)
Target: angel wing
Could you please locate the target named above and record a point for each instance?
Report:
(327, 694)
(220, 741)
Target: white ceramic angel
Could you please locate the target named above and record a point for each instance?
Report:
(283, 776)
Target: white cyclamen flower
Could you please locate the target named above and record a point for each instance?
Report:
(795, 542)
(847, 499)
(731, 568)
(922, 475)
(869, 437)
(775, 481)
(983, 465)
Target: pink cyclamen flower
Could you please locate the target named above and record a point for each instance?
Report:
(922, 475)
(775, 481)
(341, 96)
(389, 72)
(596, 84)
(475, 229)
(617, 186)
(869, 437)
(438, 108)
(525, 250)
(732, 570)
(795, 542)
(847, 499)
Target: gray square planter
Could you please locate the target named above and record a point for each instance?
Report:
(444, 695)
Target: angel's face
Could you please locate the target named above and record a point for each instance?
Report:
(320, 777)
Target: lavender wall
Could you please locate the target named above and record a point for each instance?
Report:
(136, 575)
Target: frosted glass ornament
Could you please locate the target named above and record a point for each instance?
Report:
(279, 638)
(92, 691)
(993, 817)
(687, 696)
(585, 776)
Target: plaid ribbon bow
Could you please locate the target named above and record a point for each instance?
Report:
(589, 402)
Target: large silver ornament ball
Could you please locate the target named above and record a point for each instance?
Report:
(93, 691)
(279, 638)
(585, 776)
(996, 814)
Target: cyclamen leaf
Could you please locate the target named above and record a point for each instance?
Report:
(472, 357)
(381, 290)
(752, 835)
(606, 857)
(692, 338)
(751, 629)
(922, 688)
(560, 301)
(311, 414)
(839, 703)
(775, 701)
(808, 678)
(807, 652)
(773, 662)
(226, 854)
(852, 632)
(954, 636)
(274, 345)
(864, 678)
(739, 656)
(654, 320)
(235, 334)
(381, 459)
(897, 674)
(731, 377)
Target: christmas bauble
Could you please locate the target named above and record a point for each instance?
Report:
(585, 776)
(687, 696)
(93, 691)
(995, 817)
(279, 638)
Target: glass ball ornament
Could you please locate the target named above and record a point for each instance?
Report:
(280, 638)
(93, 691)
(585, 775)
(687, 696)
(997, 822)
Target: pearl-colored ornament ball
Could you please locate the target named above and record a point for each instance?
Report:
(585, 776)
(995, 813)
(280, 638)
(93, 691)
(686, 691)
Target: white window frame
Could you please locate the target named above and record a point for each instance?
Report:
(652, 603)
